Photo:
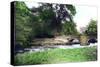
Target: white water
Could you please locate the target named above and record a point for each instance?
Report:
(41, 48)
(75, 46)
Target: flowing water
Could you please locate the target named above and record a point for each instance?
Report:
(43, 48)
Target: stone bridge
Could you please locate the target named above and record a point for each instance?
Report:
(63, 40)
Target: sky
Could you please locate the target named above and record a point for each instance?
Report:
(83, 16)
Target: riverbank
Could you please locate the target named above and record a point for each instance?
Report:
(44, 48)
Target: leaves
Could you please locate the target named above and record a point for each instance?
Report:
(69, 28)
(43, 21)
(92, 28)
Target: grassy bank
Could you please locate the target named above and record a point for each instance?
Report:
(57, 56)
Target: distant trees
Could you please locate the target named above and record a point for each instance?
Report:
(92, 28)
(43, 21)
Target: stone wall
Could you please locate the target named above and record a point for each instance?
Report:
(83, 40)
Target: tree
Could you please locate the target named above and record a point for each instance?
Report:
(52, 16)
(43, 21)
(69, 28)
(22, 22)
(92, 28)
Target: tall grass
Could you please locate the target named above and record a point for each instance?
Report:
(57, 56)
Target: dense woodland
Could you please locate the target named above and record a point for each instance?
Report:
(46, 21)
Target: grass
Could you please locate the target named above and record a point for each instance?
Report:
(57, 56)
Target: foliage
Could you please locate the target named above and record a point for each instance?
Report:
(52, 15)
(23, 23)
(69, 28)
(57, 56)
(43, 21)
(92, 28)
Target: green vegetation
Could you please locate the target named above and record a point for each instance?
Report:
(23, 23)
(69, 28)
(47, 20)
(57, 56)
(92, 28)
